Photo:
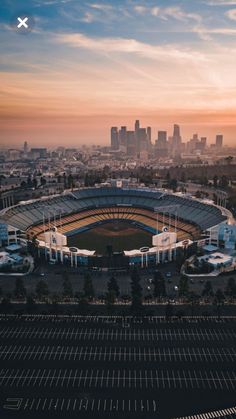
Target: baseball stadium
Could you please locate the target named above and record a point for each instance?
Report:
(141, 224)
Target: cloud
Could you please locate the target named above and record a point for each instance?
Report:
(141, 9)
(221, 2)
(88, 18)
(179, 14)
(168, 12)
(101, 6)
(99, 12)
(155, 11)
(231, 14)
(130, 46)
(205, 33)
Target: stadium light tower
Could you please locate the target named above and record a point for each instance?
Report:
(221, 198)
(167, 211)
(49, 218)
(170, 210)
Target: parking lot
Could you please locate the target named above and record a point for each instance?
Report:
(86, 366)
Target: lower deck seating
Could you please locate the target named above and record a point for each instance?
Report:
(143, 217)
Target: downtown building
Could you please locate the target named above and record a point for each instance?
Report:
(135, 143)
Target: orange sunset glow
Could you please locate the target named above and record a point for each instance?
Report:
(70, 82)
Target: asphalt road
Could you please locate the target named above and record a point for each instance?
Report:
(90, 367)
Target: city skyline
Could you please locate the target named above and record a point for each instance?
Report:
(79, 72)
(130, 128)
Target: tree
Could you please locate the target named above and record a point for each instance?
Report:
(219, 301)
(88, 287)
(207, 290)
(168, 178)
(173, 184)
(113, 286)
(230, 289)
(19, 291)
(35, 182)
(33, 247)
(215, 181)
(183, 286)
(110, 300)
(29, 181)
(67, 286)
(229, 159)
(41, 289)
(180, 258)
(65, 180)
(43, 181)
(194, 301)
(70, 181)
(183, 177)
(6, 305)
(136, 291)
(159, 285)
(82, 307)
(30, 304)
(224, 182)
(219, 297)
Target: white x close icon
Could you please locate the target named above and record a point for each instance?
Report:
(22, 22)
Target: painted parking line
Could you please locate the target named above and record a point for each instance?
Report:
(134, 334)
(111, 354)
(224, 413)
(126, 378)
(108, 319)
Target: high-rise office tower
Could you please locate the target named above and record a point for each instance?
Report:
(131, 143)
(161, 144)
(162, 137)
(149, 139)
(123, 136)
(114, 138)
(202, 144)
(142, 140)
(137, 125)
(25, 147)
(219, 141)
(176, 132)
(136, 132)
(176, 141)
(204, 141)
(149, 134)
(141, 137)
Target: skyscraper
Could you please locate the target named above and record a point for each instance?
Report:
(219, 141)
(161, 144)
(149, 139)
(137, 125)
(149, 134)
(25, 147)
(131, 143)
(114, 138)
(176, 133)
(123, 136)
(162, 137)
(176, 141)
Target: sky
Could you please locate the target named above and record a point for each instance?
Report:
(89, 65)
